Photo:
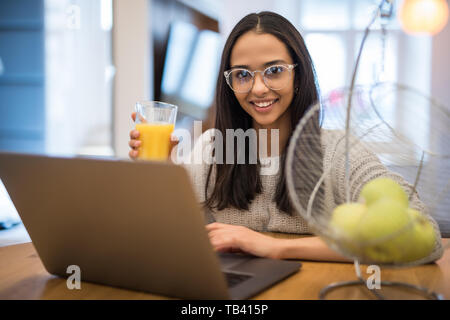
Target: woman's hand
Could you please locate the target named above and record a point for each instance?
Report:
(231, 238)
(135, 143)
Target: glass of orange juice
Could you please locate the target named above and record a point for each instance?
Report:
(155, 122)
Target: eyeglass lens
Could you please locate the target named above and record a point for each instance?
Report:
(275, 77)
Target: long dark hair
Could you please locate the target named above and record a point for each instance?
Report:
(236, 185)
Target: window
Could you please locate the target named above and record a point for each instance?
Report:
(179, 46)
(333, 31)
(330, 69)
(200, 83)
(325, 14)
(8, 213)
(79, 74)
(191, 68)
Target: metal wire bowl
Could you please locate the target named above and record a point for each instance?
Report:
(413, 154)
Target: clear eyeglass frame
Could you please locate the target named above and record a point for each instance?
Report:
(228, 73)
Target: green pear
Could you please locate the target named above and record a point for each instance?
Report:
(345, 222)
(382, 187)
(385, 231)
(422, 237)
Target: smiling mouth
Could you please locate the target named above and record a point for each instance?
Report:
(265, 104)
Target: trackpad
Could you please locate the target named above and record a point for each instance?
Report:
(231, 260)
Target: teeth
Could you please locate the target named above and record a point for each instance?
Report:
(264, 104)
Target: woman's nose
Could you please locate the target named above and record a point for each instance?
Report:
(259, 87)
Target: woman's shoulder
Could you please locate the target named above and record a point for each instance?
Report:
(331, 135)
(333, 140)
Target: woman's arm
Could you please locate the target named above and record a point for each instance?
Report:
(231, 238)
(309, 248)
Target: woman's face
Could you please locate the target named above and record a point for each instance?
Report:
(267, 107)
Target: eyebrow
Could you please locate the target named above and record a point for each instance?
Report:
(265, 64)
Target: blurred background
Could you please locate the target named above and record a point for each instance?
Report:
(72, 70)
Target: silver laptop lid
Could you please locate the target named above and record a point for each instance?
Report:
(134, 225)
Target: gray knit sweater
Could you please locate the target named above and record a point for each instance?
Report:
(263, 214)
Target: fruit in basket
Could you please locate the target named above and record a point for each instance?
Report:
(381, 227)
(379, 188)
(395, 234)
(385, 231)
(346, 217)
(345, 222)
(422, 237)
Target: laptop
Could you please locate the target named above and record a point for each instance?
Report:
(129, 224)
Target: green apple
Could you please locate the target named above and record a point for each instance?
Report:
(345, 221)
(422, 237)
(385, 231)
(382, 187)
(346, 217)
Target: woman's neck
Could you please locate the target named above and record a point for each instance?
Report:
(283, 125)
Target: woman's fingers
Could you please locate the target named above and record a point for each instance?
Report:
(223, 237)
(238, 238)
(134, 144)
(133, 154)
(223, 243)
(134, 134)
(173, 143)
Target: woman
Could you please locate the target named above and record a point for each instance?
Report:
(266, 81)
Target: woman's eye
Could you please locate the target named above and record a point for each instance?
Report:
(242, 74)
(275, 70)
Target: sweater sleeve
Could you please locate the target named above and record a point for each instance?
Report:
(366, 166)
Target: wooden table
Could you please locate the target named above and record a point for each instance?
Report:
(22, 276)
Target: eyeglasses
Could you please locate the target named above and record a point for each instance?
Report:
(276, 77)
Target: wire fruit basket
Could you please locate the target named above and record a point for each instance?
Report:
(370, 140)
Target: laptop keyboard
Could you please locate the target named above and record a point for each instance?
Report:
(234, 279)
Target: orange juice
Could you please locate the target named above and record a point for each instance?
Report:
(155, 140)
